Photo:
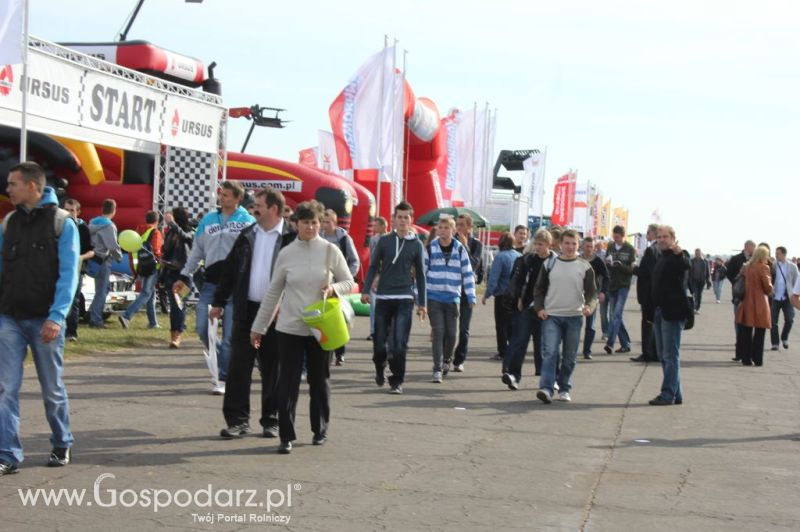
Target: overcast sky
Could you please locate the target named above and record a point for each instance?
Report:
(690, 108)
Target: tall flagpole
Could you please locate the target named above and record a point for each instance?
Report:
(393, 124)
(380, 170)
(401, 126)
(23, 133)
(541, 196)
(474, 153)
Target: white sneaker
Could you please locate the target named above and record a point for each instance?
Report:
(544, 396)
(218, 389)
(437, 377)
(459, 368)
(564, 396)
(555, 386)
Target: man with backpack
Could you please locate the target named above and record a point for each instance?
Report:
(106, 249)
(147, 271)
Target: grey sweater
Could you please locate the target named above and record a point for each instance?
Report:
(394, 259)
(565, 288)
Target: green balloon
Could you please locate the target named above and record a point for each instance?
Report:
(130, 241)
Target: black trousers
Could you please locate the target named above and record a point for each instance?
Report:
(464, 319)
(236, 405)
(648, 337)
(503, 317)
(291, 349)
(750, 345)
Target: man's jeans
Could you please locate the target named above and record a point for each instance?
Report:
(397, 312)
(784, 305)
(616, 326)
(74, 314)
(668, 345)
(564, 333)
(604, 316)
(101, 286)
(465, 317)
(589, 333)
(718, 289)
(223, 347)
(15, 337)
(146, 296)
(697, 292)
(526, 324)
(444, 325)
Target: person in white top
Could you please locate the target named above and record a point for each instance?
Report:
(302, 275)
(784, 280)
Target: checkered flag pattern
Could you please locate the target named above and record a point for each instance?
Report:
(190, 180)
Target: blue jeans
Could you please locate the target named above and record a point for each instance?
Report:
(668, 345)
(785, 306)
(589, 333)
(604, 316)
(396, 312)
(177, 315)
(146, 296)
(564, 333)
(101, 286)
(223, 347)
(524, 325)
(15, 337)
(718, 289)
(616, 325)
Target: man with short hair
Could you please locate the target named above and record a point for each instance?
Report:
(475, 248)
(394, 258)
(734, 267)
(669, 297)
(213, 240)
(644, 291)
(620, 257)
(520, 238)
(784, 279)
(106, 249)
(246, 276)
(38, 278)
(601, 279)
(338, 235)
(565, 293)
(73, 207)
(152, 242)
(699, 278)
(380, 227)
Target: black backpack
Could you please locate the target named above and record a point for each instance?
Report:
(145, 258)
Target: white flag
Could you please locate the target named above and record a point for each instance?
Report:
(533, 183)
(326, 153)
(11, 12)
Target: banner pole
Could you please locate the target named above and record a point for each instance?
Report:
(23, 133)
(380, 132)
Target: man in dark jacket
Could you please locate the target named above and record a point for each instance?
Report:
(464, 235)
(734, 267)
(601, 279)
(620, 257)
(699, 277)
(246, 275)
(669, 297)
(644, 277)
(73, 207)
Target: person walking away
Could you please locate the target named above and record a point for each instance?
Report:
(106, 249)
(448, 271)
(245, 277)
(497, 287)
(178, 239)
(620, 256)
(147, 271)
(213, 240)
(718, 277)
(394, 258)
(754, 314)
(306, 269)
(73, 207)
(600, 251)
(669, 292)
(601, 279)
(380, 227)
(784, 279)
(337, 235)
(565, 293)
(38, 278)
(464, 234)
(644, 290)
(699, 278)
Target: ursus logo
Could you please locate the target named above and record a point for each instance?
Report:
(6, 80)
(176, 122)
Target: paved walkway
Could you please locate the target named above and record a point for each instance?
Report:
(467, 454)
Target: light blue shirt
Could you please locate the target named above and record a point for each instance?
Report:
(781, 289)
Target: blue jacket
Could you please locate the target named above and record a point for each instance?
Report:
(445, 279)
(500, 276)
(68, 254)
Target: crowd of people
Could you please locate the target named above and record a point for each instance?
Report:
(257, 267)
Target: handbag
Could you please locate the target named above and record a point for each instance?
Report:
(344, 303)
(739, 288)
(689, 323)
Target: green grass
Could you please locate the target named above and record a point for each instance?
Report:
(115, 338)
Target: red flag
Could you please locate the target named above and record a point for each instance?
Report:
(308, 157)
(561, 201)
(336, 114)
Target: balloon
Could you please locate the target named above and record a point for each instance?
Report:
(130, 241)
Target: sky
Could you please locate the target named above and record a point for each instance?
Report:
(689, 108)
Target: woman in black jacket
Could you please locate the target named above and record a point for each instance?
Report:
(178, 237)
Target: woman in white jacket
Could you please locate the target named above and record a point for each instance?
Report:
(302, 274)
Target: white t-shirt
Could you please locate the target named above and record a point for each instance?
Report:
(796, 290)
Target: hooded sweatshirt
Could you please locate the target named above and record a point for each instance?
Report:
(68, 253)
(346, 246)
(104, 239)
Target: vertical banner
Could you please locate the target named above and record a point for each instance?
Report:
(326, 154)
(606, 219)
(11, 22)
(560, 201)
(571, 184)
(598, 214)
(580, 207)
(533, 183)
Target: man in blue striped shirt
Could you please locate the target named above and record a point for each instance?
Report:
(447, 271)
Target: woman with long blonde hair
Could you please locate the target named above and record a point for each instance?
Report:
(753, 315)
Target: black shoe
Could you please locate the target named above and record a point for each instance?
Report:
(786, 345)
(623, 350)
(369, 338)
(607, 349)
(747, 362)
(659, 401)
(734, 359)
(270, 431)
(678, 401)
(339, 361)
(235, 431)
(587, 356)
(319, 440)
(7, 468)
(640, 358)
(396, 390)
(72, 338)
(380, 380)
(510, 381)
(285, 447)
(775, 348)
(59, 457)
